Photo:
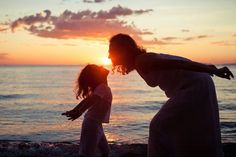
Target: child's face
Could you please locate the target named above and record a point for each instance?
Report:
(101, 74)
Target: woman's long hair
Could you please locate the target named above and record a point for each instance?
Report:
(127, 48)
(89, 78)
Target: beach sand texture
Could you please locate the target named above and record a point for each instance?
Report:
(65, 149)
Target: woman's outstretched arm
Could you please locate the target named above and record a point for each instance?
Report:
(223, 72)
(166, 64)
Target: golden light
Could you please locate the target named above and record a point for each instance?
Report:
(106, 61)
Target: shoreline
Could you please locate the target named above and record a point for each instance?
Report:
(10, 148)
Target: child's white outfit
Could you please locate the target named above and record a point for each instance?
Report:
(92, 134)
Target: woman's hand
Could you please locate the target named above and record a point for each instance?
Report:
(213, 68)
(224, 73)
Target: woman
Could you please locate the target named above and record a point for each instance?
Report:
(188, 123)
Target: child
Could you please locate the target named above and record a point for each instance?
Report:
(97, 97)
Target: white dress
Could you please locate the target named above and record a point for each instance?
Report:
(187, 125)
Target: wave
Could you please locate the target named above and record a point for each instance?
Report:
(229, 107)
(16, 96)
(146, 108)
(229, 125)
(229, 90)
(128, 91)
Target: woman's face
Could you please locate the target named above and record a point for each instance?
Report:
(115, 54)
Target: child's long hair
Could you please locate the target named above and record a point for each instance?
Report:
(89, 78)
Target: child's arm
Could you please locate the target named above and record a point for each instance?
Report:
(75, 109)
(82, 107)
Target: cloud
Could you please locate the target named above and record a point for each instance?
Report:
(85, 24)
(117, 11)
(141, 11)
(202, 36)
(224, 43)
(185, 30)
(195, 37)
(184, 39)
(156, 41)
(180, 40)
(3, 56)
(169, 38)
(69, 44)
(43, 17)
(93, 1)
(4, 27)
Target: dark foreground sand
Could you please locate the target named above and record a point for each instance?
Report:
(68, 149)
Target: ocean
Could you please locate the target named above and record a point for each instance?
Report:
(32, 99)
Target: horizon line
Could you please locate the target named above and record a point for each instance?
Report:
(42, 65)
(82, 64)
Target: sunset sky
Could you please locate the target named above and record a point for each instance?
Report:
(70, 32)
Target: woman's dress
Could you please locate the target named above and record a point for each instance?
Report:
(187, 125)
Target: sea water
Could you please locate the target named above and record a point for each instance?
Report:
(32, 99)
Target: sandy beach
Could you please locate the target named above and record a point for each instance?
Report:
(64, 149)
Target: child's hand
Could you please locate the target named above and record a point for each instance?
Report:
(72, 114)
(65, 113)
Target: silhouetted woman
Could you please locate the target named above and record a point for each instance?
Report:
(187, 125)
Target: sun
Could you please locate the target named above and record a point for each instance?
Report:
(106, 61)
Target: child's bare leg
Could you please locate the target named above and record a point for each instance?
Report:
(89, 138)
(103, 145)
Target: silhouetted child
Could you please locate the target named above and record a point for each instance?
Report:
(97, 98)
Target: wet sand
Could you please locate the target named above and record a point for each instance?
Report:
(65, 149)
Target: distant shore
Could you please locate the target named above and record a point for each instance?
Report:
(65, 149)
